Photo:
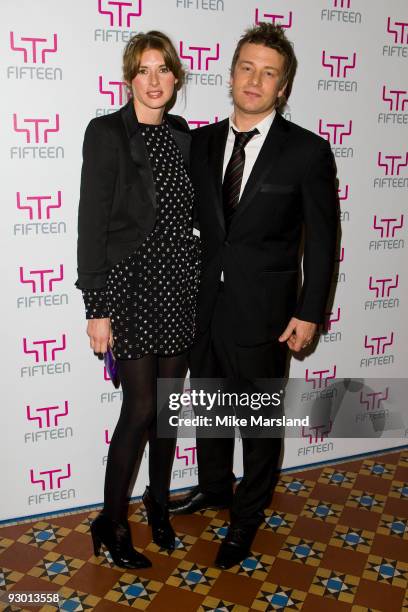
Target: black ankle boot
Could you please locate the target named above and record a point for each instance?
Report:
(158, 517)
(117, 539)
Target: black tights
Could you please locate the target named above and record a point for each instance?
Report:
(138, 419)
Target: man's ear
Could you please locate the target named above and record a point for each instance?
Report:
(282, 90)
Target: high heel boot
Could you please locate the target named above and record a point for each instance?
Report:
(158, 517)
(117, 539)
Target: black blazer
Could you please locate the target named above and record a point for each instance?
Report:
(291, 187)
(117, 207)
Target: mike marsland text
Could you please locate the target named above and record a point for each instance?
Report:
(255, 420)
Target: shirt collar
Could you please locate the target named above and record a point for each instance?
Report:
(262, 127)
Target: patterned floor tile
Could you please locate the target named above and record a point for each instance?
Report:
(366, 500)
(182, 546)
(8, 578)
(56, 568)
(193, 577)
(212, 604)
(399, 490)
(215, 531)
(334, 585)
(134, 591)
(388, 571)
(294, 486)
(338, 478)
(279, 522)
(275, 597)
(360, 540)
(44, 535)
(393, 526)
(256, 566)
(5, 543)
(334, 539)
(324, 511)
(303, 551)
(75, 601)
(376, 468)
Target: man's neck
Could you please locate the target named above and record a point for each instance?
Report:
(245, 121)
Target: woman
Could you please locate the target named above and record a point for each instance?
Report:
(138, 270)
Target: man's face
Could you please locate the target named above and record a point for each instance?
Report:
(257, 79)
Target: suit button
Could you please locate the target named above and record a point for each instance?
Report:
(226, 243)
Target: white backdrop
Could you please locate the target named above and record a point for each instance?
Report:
(61, 65)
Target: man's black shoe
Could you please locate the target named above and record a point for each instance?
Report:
(236, 546)
(196, 500)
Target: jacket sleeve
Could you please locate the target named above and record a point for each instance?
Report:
(95, 301)
(320, 212)
(98, 177)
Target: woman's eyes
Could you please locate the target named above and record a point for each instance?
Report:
(163, 70)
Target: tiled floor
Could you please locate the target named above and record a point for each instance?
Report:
(335, 539)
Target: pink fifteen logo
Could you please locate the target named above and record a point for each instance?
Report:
(336, 133)
(320, 380)
(42, 282)
(285, 20)
(396, 101)
(33, 48)
(339, 67)
(188, 456)
(315, 436)
(118, 14)
(382, 288)
(47, 416)
(38, 209)
(387, 229)
(200, 58)
(373, 401)
(34, 51)
(47, 420)
(36, 130)
(116, 91)
(339, 11)
(378, 349)
(52, 483)
(398, 31)
(392, 165)
(45, 351)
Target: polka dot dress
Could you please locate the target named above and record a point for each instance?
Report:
(150, 296)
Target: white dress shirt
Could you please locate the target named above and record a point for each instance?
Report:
(251, 150)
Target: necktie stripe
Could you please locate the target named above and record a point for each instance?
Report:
(233, 174)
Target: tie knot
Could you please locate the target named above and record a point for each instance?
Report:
(242, 138)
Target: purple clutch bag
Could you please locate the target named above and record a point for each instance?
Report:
(111, 367)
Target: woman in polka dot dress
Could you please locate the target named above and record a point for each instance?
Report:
(138, 268)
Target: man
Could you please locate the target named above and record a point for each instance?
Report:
(260, 182)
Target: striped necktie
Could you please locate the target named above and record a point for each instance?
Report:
(231, 186)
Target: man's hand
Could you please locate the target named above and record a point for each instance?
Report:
(100, 334)
(298, 334)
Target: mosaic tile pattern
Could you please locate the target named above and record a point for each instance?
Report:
(334, 538)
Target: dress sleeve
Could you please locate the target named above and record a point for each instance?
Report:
(95, 303)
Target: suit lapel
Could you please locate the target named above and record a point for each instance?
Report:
(267, 158)
(138, 150)
(216, 162)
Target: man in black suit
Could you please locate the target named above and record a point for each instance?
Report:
(262, 182)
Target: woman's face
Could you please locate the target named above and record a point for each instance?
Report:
(153, 85)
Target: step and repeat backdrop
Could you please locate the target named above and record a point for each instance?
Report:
(61, 66)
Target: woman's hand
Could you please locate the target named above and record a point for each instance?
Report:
(100, 334)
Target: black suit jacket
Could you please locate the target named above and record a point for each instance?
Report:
(117, 207)
(291, 187)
